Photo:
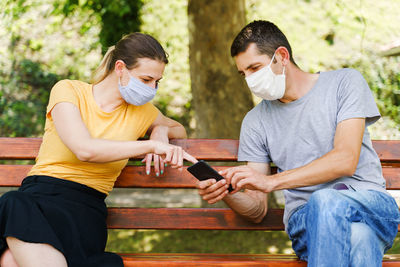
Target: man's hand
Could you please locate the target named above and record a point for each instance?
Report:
(247, 178)
(211, 190)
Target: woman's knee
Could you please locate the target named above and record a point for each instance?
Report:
(7, 259)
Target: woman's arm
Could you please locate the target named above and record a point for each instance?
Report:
(167, 127)
(163, 129)
(74, 134)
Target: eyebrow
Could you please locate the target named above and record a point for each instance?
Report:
(249, 67)
(150, 77)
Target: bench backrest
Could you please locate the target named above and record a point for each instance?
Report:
(221, 150)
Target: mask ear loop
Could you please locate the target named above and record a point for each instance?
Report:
(272, 59)
(119, 78)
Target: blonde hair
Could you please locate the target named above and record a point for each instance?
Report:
(129, 49)
(103, 69)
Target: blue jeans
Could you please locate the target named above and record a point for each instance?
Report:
(344, 228)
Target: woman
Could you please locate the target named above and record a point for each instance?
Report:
(58, 216)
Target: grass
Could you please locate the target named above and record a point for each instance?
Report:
(205, 241)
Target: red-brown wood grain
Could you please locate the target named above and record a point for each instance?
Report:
(168, 259)
(189, 218)
(193, 259)
(135, 176)
(207, 149)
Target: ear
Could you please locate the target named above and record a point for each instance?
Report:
(282, 55)
(119, 67)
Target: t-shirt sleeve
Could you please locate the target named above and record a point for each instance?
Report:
(62, 91)
(252, 146)
(148, 114)
(355, 99)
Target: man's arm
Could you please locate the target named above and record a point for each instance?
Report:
(250, 204)
(342, 160)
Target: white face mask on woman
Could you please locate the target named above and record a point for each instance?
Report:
(266, 84)
(136, 92)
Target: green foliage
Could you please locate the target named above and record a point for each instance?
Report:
(116, 17)
(327, 35)
(40, 44)
(34, 58)
(199, 241)
(23, 109)
(384, 80)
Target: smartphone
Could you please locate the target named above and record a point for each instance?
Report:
(202, 171)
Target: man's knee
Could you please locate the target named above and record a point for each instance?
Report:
(366, 247)
(325, 201)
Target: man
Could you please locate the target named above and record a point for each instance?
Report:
(314, 128)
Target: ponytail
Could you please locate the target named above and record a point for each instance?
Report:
(105, 66)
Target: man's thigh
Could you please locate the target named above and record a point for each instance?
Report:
(375, 209)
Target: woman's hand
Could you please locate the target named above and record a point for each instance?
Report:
(159, 133)
(173, 155)
(164, 153)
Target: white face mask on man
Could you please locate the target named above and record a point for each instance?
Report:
(266, 84)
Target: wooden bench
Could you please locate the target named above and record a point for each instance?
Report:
(189, 218)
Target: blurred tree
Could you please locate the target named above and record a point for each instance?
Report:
(116, 17)
(220, 96)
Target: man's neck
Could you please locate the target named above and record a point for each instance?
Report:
(298, 83)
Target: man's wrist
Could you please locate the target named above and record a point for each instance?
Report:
(272, 183)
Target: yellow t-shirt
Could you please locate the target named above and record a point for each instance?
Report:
(126, 122)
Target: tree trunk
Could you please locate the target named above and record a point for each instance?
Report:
(221, 97)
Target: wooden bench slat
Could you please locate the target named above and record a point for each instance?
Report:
(135, 176)
(204, 259)
(189, 218)
(19, 147)
(387, 150)
(207, 149)
(12, 175)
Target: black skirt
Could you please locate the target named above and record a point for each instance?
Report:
(69, 216)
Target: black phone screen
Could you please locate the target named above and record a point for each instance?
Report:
(202, 171)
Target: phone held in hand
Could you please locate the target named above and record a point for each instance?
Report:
(202, 171)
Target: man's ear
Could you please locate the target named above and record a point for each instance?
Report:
(282, 55)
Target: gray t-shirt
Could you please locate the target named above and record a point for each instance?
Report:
(294, 134)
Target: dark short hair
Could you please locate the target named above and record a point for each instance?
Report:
(266, 35)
